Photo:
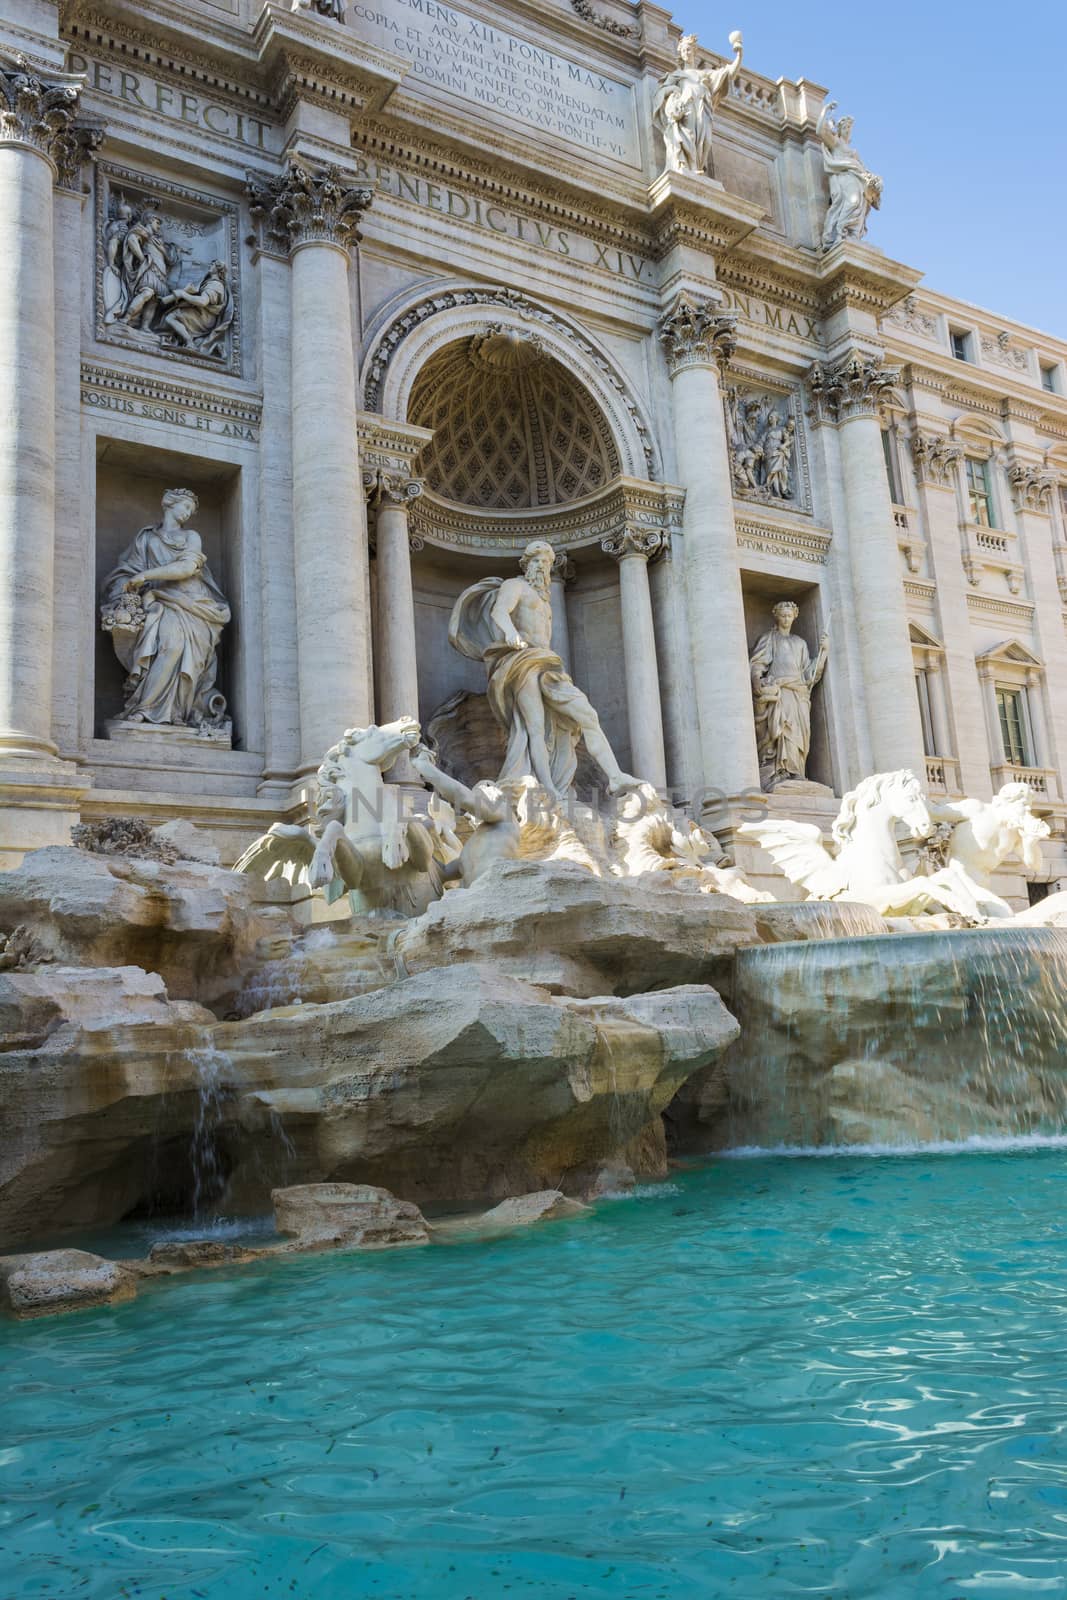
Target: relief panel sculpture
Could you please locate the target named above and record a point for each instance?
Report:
(766, 448)
(167, 270)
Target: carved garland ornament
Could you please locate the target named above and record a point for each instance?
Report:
(694, 333)
(599, 20)
(855, 386)
(508, 300)
(307, 205)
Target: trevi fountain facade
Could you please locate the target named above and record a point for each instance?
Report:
(533, 655)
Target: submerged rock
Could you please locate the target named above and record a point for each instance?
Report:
(40, 1284)
(519, 1211)
(349, 1214)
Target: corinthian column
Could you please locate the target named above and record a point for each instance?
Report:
(397, 660)
(35, 123)
(696, 342)
(847, 394)
(315, 215)
(633, 549)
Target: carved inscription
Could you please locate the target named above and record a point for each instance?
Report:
(479, 213)
(195, 110)
(508, 76)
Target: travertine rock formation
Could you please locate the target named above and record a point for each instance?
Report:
(195, 925)
(554, 924)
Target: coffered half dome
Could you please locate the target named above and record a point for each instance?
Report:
(513, 429)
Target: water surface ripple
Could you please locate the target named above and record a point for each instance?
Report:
(768, 1378)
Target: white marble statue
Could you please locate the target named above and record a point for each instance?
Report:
(854, 190)
(507, 624)
(864, 861)
(650, 836)
(199, 316)
(363, 843)
(783, 677)
(684, 105)
(986, 833)
(496, 834)
(165, 614)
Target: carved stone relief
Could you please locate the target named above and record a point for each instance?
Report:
(167, 270)
(908, 315)
(766, 447)
(1003, 353)
(1031, 487)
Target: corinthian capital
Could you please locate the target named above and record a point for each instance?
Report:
(935, 457)
(34, 111)
(694, 334)
(644, 542)
(1031, 488)
(854, 386)
(307, 205)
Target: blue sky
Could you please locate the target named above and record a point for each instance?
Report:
(961, 106)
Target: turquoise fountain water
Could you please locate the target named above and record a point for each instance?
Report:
(836, 1377)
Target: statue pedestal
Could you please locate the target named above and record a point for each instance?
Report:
(788, 788)
(173, 732)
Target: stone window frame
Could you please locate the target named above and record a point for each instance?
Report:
(1011, 666)
(162, 189)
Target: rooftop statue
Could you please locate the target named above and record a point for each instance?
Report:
(685, 103)
(165, 614)
(853, 189)
(363, 843)
(864, 861)
(507, 623)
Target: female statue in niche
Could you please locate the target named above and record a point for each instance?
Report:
(783, 677)
(685, 102)
(165, 614)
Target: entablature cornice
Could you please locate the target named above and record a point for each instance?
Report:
(562, 203)
(624, 504)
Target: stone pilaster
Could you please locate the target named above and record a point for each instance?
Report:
(1032, 488)
(696, 341)
(633, 548)
(312, 216)
(847, 394)
(936, 458)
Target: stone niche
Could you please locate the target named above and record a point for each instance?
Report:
(130, 484)
(761, 592)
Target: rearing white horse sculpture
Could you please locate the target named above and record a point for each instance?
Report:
(365, 843)
(864, 861)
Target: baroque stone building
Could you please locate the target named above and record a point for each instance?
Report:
(394, 287)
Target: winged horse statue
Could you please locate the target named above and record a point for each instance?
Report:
(362, 842)
(863, 860)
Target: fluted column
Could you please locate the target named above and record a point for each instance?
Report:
(847, 395)
(633, 549)
(314, 214)
(35, 122)
(935, 677)
(397, 661)
(696, 340)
